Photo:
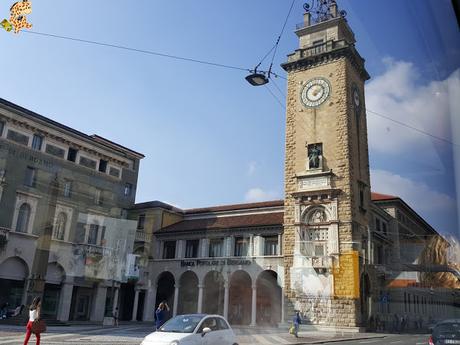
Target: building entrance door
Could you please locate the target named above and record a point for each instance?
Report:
(51, 301)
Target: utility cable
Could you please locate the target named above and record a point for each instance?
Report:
(138, 50)
(411, 127)
(149, 52)
(279, 37)
(215, 64)
(274, 96)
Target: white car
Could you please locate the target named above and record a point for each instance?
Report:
(193, 329)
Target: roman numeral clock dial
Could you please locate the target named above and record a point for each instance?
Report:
(315, 92)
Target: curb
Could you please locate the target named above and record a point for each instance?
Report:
(336, 340)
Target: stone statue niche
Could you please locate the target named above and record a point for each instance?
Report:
(315, 156)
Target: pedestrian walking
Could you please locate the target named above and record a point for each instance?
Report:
(396, 324)
(34, 316)
(115, 316)
(160, 314)
(297, 320)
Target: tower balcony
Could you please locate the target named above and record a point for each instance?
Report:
(317, 49)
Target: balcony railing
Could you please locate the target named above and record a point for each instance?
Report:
(4, 231)
(316, 49)
(142, 236)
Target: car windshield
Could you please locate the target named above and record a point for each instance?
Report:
(181, 324)
(448, 330)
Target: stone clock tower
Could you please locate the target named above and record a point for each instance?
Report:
(327, 188)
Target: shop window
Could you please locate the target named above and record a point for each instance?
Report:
(169, 250)
(114, 172)
(22, 223)
(102, 165)
(241, 246)
(271, 245)
(89, 163)
(72, 155)
(141, 222)
(37, 142)
(80, 233)
(103, 240)
(55, 151)
(98, 200)
(216, 247)
(191, 248)
(67, 188)
(30, 179)
(93, 232)
(18, 137)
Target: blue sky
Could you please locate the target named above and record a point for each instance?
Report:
(210, 138)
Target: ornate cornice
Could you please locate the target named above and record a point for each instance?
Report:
(61, 139)
(327, 57)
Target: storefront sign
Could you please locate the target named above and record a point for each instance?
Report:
(219, 262)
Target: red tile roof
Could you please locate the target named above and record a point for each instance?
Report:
(378, 196)
(227, 222)
(240, 221)
(273, 203)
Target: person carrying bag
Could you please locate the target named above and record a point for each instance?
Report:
(35, 324)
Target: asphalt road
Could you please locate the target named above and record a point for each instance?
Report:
(133, 334)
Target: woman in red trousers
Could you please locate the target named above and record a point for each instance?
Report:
(34, 314)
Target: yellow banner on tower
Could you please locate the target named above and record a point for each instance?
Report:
(346, 275)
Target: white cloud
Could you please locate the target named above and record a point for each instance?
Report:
(258, 194)
(418, 195)
(252, 166)
(398, 94)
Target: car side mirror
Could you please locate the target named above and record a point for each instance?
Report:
(205, 331)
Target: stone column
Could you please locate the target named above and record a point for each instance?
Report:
(253, 305)
(65, 300)
(200, 298)
(226, 300)
(279, 252)
(98, 303)
(115, 299)
(251, 245)
(282, 305)
(176, 299)
(136, 302)
(149, 305)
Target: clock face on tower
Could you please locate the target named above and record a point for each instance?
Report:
(356, 97)
(315, 92)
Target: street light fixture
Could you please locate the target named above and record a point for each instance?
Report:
(257, 79)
